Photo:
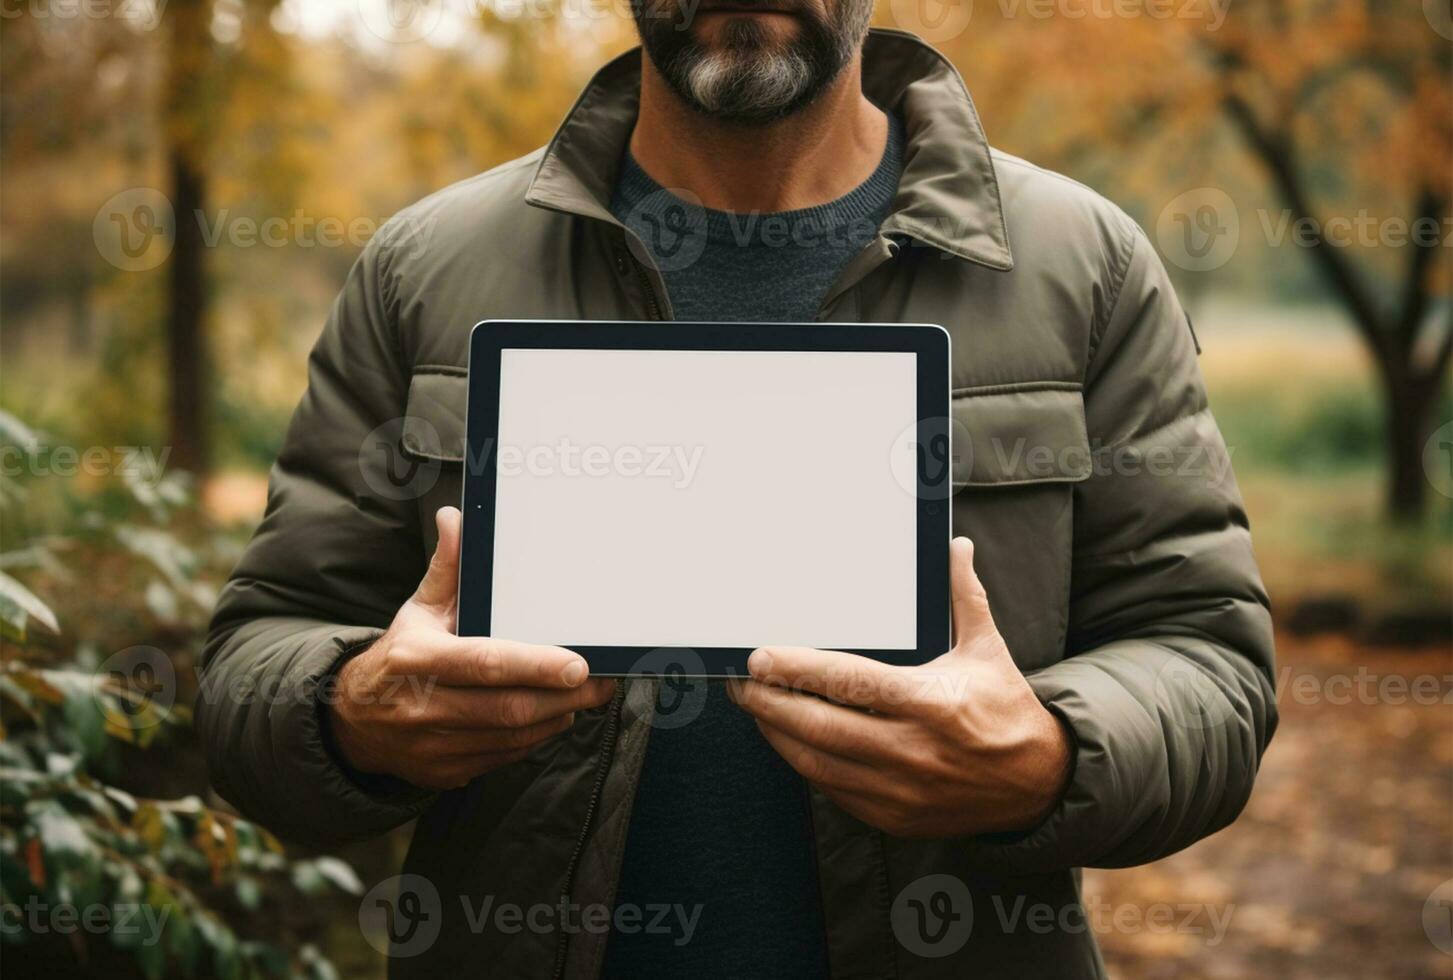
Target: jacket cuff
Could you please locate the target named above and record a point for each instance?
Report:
(383, 790)
(1106, 723)
(298, 733)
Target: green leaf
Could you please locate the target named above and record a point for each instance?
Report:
(315, 965)
(161, 601)
(14, 432)
(120, 797)
(227, 963)
(340, 874)
(130, 893)
(36, 684)
(182, 939)
(17, 604)
(249, 893)
(81, 721)
(60, 834)
(176, 562)
(153, 951)
(307, 879)
(150, 826)
(151, 957)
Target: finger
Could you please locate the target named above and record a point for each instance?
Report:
(970, 602)
(439, 589)
(844, 677)
(493, 741)
(447, 774)
(479, 661)
(457, 709)
(823, 768)
(833, 728)
(870, 810)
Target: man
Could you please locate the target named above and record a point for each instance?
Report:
(1109, 693)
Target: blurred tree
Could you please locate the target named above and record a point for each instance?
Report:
(1297, 121)
(1344, 104)
(224, 65)
(187, 118)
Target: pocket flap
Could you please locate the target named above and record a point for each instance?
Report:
(434, 419)
(1009, 435)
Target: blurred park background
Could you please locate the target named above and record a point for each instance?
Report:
(185, 184)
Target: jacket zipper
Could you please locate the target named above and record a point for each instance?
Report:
(602, 767)
(653, 306)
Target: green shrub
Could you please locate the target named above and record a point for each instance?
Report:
(1326, 430)
(96, 876)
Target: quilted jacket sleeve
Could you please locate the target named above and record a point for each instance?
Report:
(323, 576)
(1167, 685)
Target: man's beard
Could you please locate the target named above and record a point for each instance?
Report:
(749, 76)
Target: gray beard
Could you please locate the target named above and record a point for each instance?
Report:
(757, 84)
(749, 79)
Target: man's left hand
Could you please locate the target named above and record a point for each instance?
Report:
(955, 747)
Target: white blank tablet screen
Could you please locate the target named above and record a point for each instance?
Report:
(704, 499)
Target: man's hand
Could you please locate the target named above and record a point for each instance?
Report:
(955, 747)
(437, 709)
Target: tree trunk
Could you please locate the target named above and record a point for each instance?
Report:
(186, 113)
(186, 338)
(1409, 408)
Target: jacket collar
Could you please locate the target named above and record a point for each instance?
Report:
(948, 196)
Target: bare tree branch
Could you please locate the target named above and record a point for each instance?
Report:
(1278, 158)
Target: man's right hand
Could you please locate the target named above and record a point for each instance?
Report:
(436, 709)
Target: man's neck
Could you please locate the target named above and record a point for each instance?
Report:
(814, 156)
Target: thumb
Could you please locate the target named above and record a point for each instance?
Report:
(440, 585)
(972, 618)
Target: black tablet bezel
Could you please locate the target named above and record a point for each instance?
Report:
(930, 344)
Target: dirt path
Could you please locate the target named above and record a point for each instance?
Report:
(1328, 872)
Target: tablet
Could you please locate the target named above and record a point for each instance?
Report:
(679, 494)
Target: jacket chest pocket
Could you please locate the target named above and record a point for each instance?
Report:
(1018, 451)
(431, 441)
